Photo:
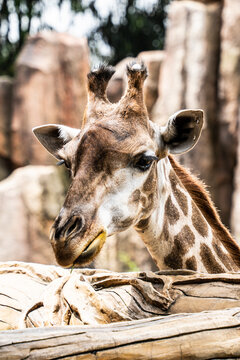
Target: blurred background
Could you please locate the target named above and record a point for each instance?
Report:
(192, 50)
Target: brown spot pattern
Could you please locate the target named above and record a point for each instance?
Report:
(201, 197)
(191, 263)
(182, 242)
(171, 211)
(149, 203)
(179, 195)
(165, 230)
(135, 197)
(174, 259)
(209, 261)
(186, 236)
(199, 221)
(150, 183)
(227, 262)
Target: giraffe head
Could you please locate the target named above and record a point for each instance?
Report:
(113, 162)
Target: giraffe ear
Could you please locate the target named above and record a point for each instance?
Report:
(53, 137)
(182, 131)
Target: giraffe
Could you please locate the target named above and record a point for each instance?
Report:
(124, 174)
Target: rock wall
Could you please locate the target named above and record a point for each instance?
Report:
(30, 199)
(153, 61)
(201, 70)
(189, 76)
(229, 112)
(6, 90)
(50, 87)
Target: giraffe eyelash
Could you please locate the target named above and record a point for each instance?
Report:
(61, 162)
(144, 162)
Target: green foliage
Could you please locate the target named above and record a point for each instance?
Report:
(135, 28)
(21, 12)
(127, 29)
(127, 262)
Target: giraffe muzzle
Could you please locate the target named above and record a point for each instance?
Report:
(72, 245)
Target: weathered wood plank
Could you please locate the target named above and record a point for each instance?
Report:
(212, 334)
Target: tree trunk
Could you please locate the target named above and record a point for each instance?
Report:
(212, 334)
(164, 315)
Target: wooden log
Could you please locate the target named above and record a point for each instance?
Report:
(44, 297)
(205, 335)
(34, 295)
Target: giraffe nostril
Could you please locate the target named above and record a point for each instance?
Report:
(70, 227)
(74, 225)
(57, 233)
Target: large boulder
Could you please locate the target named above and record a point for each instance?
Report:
(189, 75)
(50, 87)
(30, 199)
(6, 90)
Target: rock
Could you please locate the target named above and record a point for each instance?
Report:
(6, 89)
(189, 76)
(50, 87)
(153, 60)
(30, 199)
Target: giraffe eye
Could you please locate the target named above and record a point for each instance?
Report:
(61, 162)
(144, 162)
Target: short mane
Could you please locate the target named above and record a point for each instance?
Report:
(202, 199)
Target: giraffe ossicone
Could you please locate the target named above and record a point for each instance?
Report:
(123, 174)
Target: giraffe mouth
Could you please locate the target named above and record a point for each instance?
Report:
(91, 250)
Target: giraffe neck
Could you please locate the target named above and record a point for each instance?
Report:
(178, 235)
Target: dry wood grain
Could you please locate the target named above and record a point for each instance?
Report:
(101, 303)
(205, 335)
(34, 295)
